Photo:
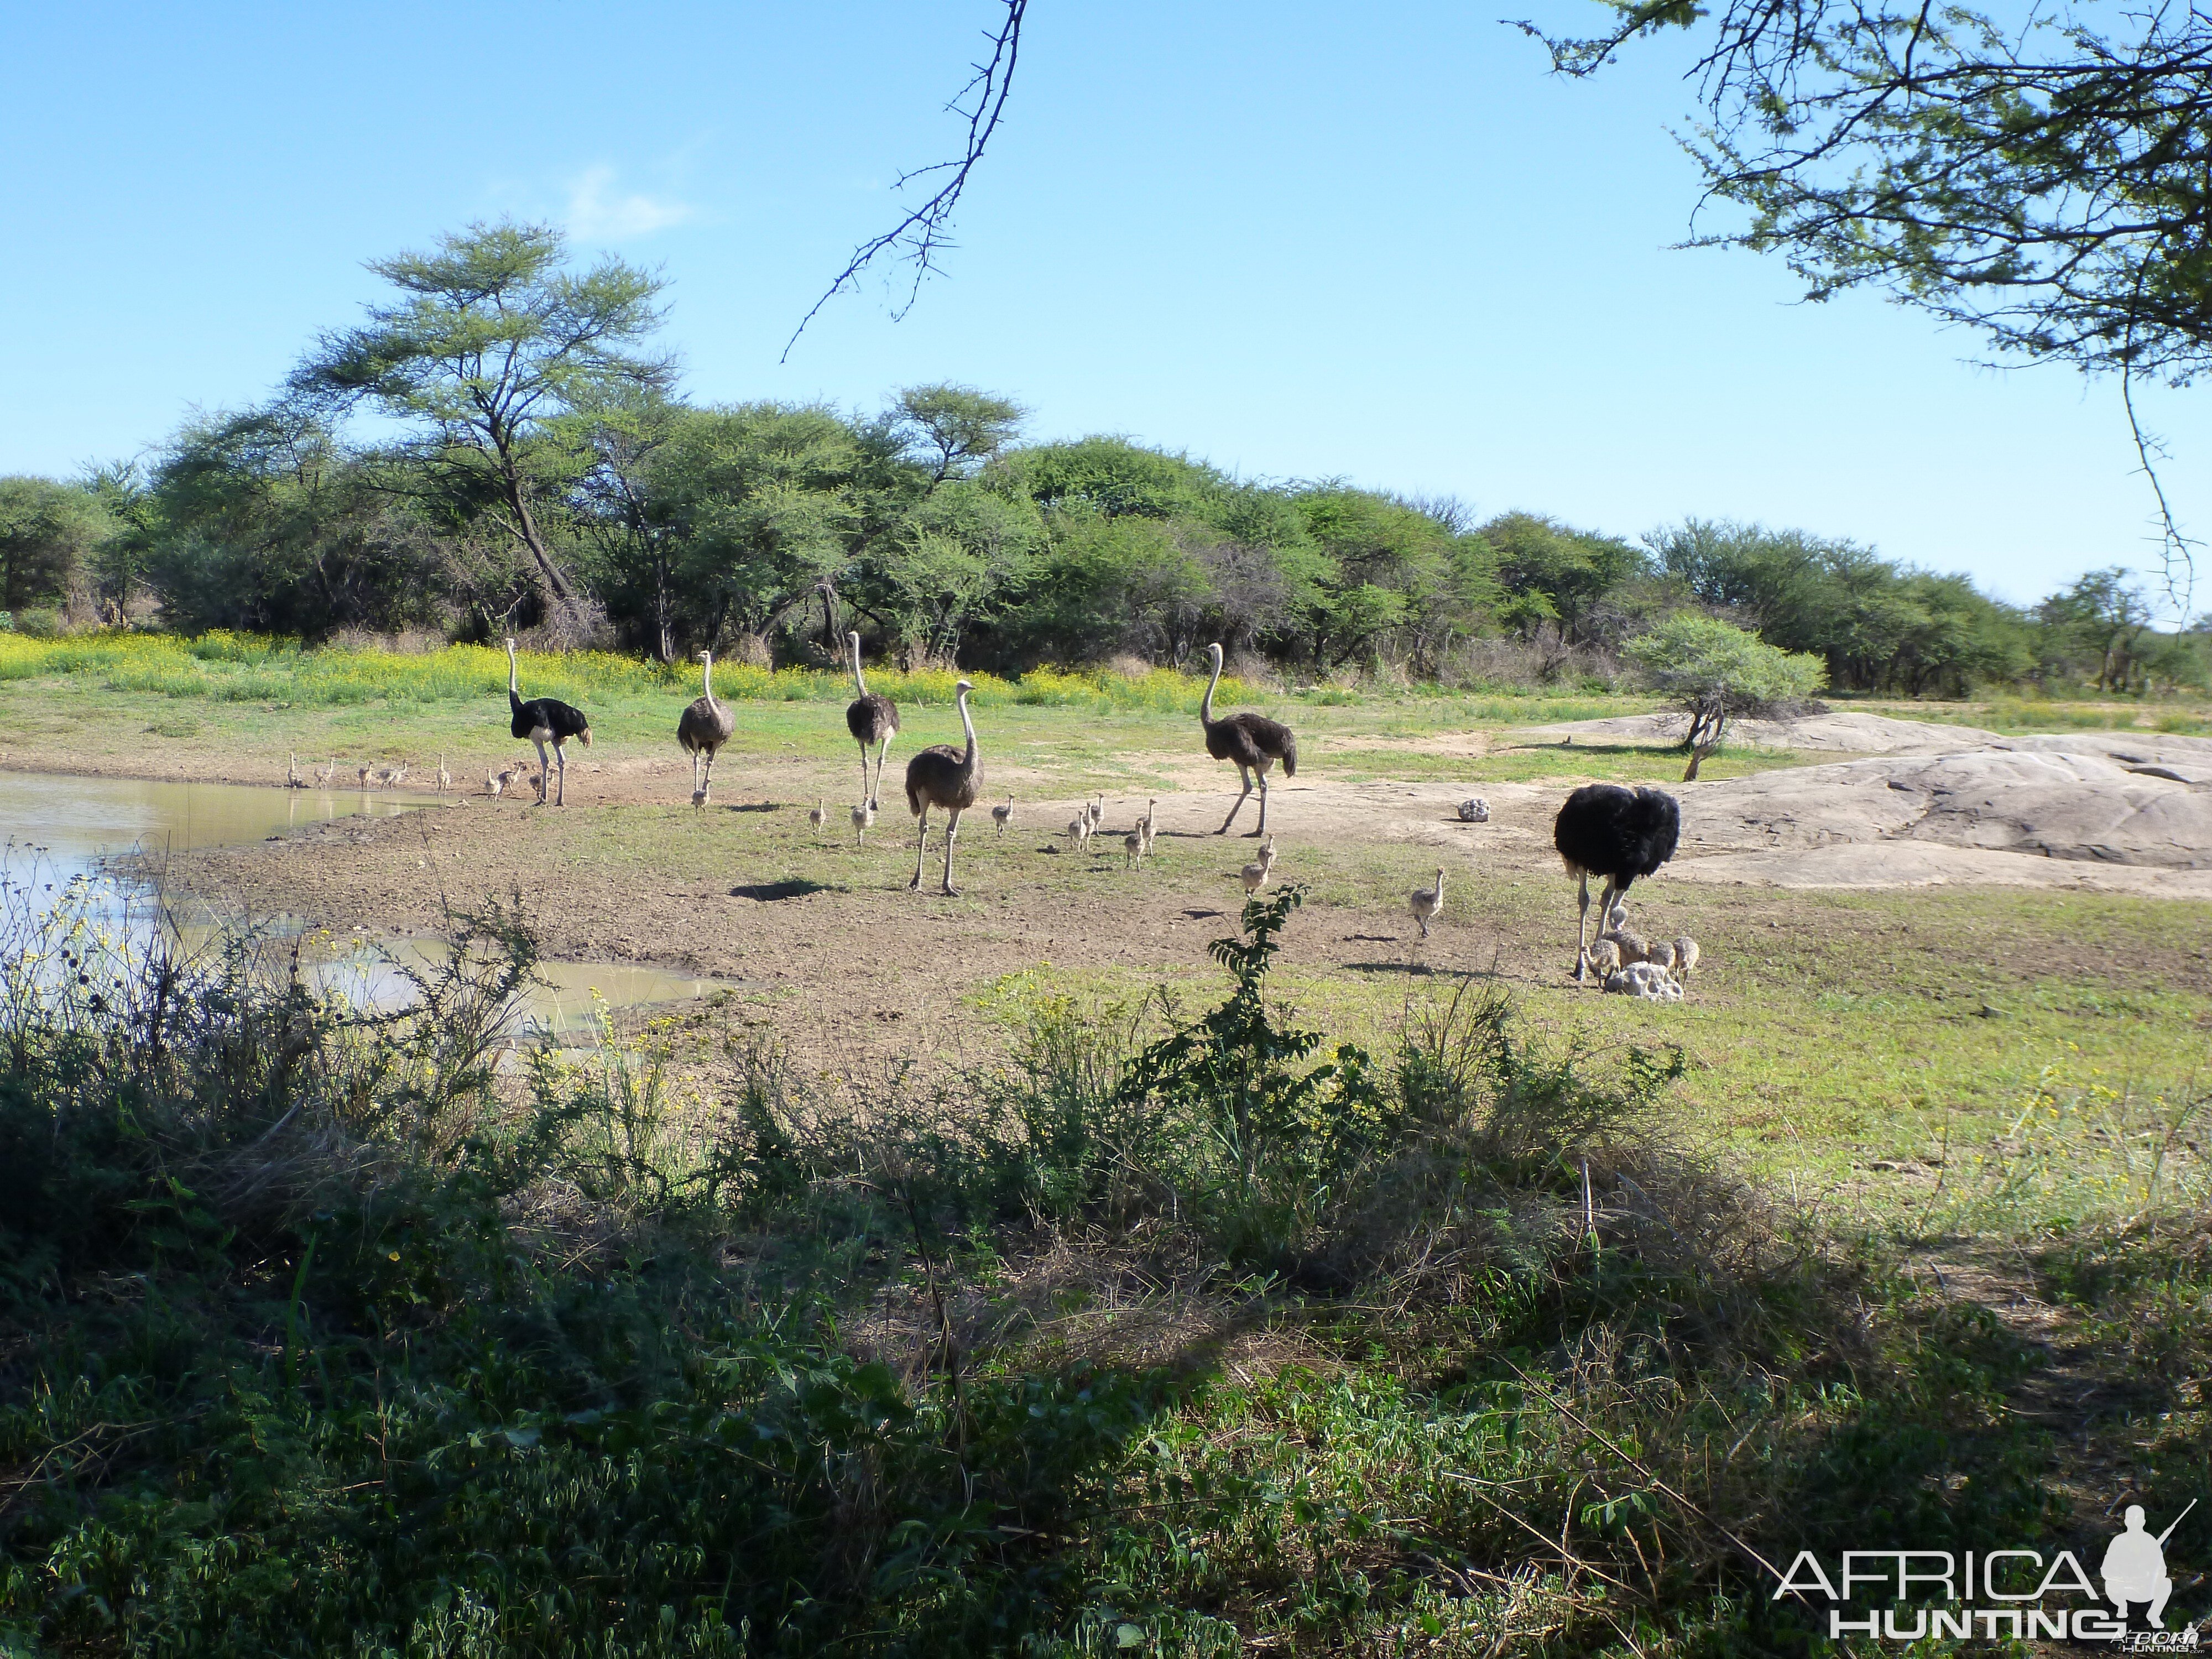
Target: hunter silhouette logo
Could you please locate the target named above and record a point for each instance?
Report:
(2134, 1566)
(2015, 1595)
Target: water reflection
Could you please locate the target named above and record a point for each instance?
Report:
(59, 834)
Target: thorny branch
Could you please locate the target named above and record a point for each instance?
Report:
(925, 232)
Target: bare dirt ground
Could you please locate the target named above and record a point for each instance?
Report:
(742, 892)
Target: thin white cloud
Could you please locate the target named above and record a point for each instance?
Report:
(600, 212)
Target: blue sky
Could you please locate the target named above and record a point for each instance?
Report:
(1297, 239)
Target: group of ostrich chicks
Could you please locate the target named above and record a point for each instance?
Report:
(1619, 834)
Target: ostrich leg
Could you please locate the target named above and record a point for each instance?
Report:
(921, 852)
(1581, 932)
(951, 834)
(544, 772)
(1253, 835)
(1245, 773)
(560, 767)
(882, 753)
(868, 794)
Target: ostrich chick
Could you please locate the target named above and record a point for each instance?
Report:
(445, 778)
(818, 816)
(1078, 829)
(1605, 958)
(864, 819)
(323, 778)
(1425, 902)
(1634, 947)
(293, 779)
(1255, 874)
(1133, 848)
(1684, 956)
(1003, 815)
(361, 775)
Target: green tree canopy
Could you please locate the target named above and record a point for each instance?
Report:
(1715, 670)
(951, 431)
(491, 342)
(1550, 573)
(49, 535)
(1115, 476)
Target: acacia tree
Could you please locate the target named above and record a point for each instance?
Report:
(2102, 617)
(953, 430)
(491, 342)
(1714, 672)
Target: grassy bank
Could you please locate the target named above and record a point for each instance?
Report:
(1181, 1336)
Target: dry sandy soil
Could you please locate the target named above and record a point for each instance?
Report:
(743, 892)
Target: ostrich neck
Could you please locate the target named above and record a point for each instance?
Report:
(1206, 708)
(859, 684)
(511, 691)
(969, 759)
(706, 676)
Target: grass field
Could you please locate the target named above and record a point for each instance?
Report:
(909, 1297)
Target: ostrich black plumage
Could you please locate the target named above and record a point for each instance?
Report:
(1253, 741)
(542, 720)
(1620, 834)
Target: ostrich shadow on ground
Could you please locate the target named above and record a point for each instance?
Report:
(1418, 969)
(755, 806)
(769, 892)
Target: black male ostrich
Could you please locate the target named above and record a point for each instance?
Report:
(704, 726)
(1253, 741)
(1620, 834)
(941, 775)
(544, 721)
(871, 719)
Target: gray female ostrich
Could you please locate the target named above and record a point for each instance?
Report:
(544, 721)
(1620, 834)
(872, 720)
(1253, 741)
(941, 775)
(704, 727)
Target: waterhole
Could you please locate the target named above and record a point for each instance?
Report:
(61, 839)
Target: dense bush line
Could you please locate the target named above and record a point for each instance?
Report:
(546, 476)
